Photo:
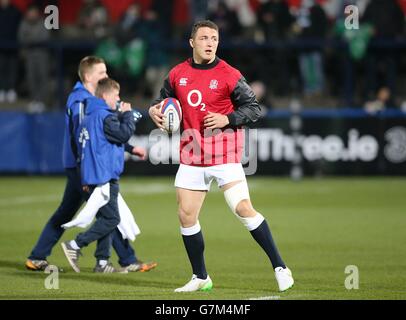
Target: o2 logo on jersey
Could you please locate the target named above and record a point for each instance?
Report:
(194, 99)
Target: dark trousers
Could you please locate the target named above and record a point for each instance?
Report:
(107, 219)
(72, 200)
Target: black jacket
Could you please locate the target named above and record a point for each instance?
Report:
(119, 127)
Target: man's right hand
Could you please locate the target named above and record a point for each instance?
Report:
(156, 116)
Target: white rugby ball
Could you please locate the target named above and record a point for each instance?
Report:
(172, 110)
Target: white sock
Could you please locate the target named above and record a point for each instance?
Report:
(189, 231)
(102, 263)
(74, 245)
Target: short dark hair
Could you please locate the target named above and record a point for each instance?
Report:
(106, 85)
(201, 24)
(86, 64)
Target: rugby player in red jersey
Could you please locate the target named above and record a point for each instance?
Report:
(216, 101)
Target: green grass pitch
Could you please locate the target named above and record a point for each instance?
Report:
(320, 225)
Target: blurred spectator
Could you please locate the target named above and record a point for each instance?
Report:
(226, 19)
(125, 51)
(33, 36)
(246, 16)
(146, 33)
(311, 24)
(386, 16)
(261, 94)
(93, 20)
(10, 19)
(387, 20)
(383, 100)
(275, 19)
(129, 25)
(165, 10)
(198, 10)
(157, 59)
(180, 19)
(259, 89)
(350, 59)
(276, 22)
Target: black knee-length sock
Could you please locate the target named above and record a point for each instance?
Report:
(194, 245)
(263, 236)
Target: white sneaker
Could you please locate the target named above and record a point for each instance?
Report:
(196, 284)
(284, 278)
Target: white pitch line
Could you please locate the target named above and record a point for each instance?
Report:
(126, 188)
(266, 298)
(5, 202)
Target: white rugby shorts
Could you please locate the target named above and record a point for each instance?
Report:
(200, 178)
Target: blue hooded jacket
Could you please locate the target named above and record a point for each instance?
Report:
(101, 160)
(73, 115)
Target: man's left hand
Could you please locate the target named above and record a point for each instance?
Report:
(215, 120)
(140, 152)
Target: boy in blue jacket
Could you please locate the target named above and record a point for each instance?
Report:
(103, 133)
